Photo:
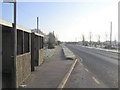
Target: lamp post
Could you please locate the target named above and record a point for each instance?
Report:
(37, 24)
(15, 45)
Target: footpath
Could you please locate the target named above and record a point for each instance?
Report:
(51, 73)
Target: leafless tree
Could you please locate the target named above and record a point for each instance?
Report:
(99, 39)
(106, 36)
(115, 41)
(83, 39)
(51, 40)
(90, 37)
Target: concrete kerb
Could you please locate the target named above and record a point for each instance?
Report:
(66, 77)
(68, 54)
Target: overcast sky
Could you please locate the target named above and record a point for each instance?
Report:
(68, 19)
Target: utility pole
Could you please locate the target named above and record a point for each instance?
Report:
(15, 46)
(37, 24)
(110, 34)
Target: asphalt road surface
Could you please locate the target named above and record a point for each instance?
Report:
(98, 69)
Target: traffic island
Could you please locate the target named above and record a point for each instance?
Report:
(68, 53)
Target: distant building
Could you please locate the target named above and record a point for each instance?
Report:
(39, 31)
(108, 42)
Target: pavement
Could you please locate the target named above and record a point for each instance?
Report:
(99, 70)
(108, 50)
(51, 72)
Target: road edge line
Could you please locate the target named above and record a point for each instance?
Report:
(66, 77)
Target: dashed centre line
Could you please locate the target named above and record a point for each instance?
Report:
(86, 69)
(95, 80)
(81, 64)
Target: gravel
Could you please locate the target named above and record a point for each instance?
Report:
(48, 53)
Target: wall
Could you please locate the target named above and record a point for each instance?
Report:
(23, 67)
(7, 56)
(0, 56)
(36, 50)
(23, 59)
(29, 53)
(32, 52)
(40, 56)
(7, 49)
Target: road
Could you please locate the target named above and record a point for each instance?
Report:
(98, 69)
